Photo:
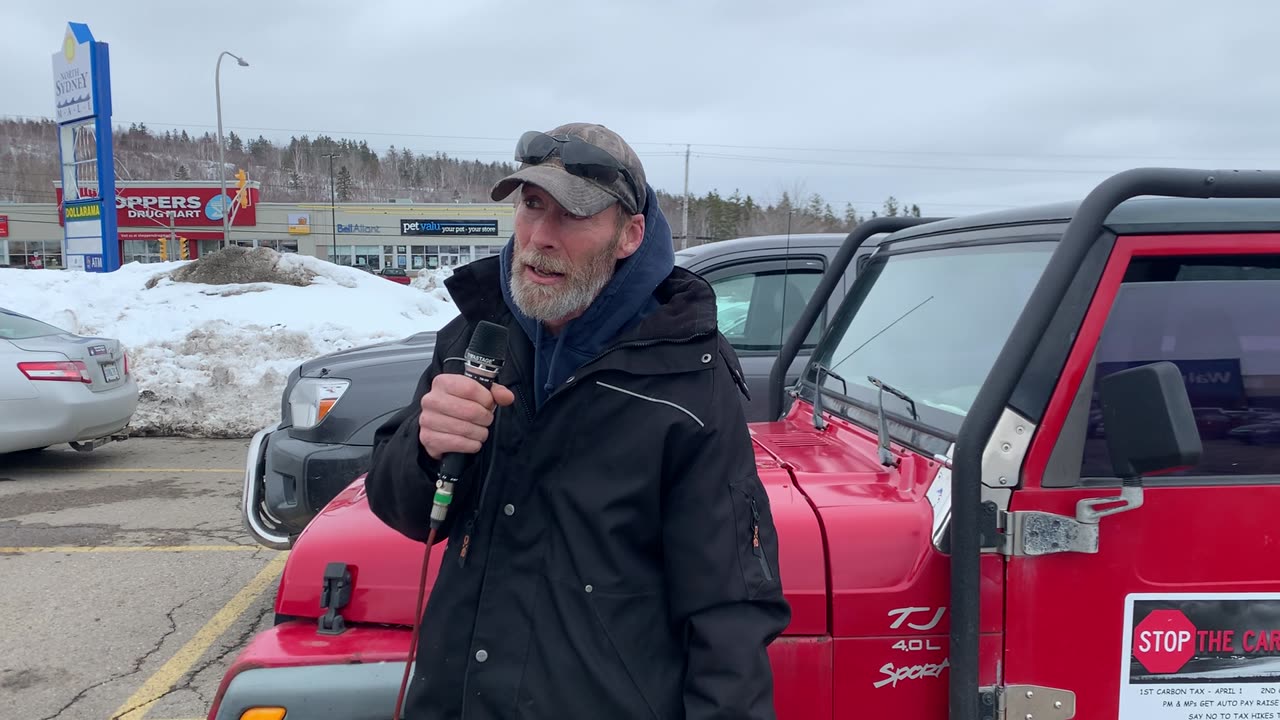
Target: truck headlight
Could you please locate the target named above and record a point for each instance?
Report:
(312, 398)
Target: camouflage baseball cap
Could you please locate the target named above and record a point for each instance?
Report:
(597, 173)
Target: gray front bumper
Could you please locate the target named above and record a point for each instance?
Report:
(264, 528)
(317, 692)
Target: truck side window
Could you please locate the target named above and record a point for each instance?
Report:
(1218, 320)
(750, 307)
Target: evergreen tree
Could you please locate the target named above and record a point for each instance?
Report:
(343, 184)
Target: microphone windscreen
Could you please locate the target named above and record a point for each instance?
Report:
(489, 341)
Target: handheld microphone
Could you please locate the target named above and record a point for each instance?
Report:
(484, 358)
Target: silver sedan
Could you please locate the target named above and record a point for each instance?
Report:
(57, 387)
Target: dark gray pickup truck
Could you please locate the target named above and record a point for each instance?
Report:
(332, 405)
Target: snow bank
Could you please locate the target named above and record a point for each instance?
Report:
(212, 343)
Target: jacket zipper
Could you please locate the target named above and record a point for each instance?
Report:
(515, 388)
(756, 549)
(471, 521)
(484, 490)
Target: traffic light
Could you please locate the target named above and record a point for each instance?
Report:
(184, 252)
(242, 194)
(164, 250)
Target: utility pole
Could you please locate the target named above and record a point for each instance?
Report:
(333, 210)
(222, 166)
(685, 220)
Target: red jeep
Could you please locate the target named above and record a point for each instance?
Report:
(992, 496)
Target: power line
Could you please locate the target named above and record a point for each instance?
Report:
(671, 143)
(841, 163)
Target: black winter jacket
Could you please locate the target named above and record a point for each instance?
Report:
(611, 554)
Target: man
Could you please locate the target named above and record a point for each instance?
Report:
(611, 551)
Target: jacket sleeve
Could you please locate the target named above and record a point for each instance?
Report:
(401, 481)
(721, 552)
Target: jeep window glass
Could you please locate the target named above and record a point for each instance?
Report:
(1218, 320)
(930, 323)
(18, 327)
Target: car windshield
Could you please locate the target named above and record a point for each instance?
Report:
(17, 327)
(930, 324)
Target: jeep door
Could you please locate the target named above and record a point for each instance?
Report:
(1177, 613)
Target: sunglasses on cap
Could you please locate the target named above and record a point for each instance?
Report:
(580, 158)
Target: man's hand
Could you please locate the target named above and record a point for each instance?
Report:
(456, 414)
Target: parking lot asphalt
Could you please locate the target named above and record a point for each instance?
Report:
(127, 579)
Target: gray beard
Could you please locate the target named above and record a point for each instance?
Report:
(576, 292)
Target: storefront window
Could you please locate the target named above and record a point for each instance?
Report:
(35, 254)
(208, 247)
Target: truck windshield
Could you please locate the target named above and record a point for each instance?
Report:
(930, 323)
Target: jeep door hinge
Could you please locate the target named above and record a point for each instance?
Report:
(335, 593)
(1026, 702)
(1029, 532)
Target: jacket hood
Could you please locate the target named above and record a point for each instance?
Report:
(626, 300)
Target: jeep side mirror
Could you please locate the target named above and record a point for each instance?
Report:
(1150, 425)
(1150, 429)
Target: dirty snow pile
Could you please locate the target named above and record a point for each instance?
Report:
(212, 341)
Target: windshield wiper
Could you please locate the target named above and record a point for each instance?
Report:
(820, 422)
(886, 457)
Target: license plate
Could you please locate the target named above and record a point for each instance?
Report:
(110, 372)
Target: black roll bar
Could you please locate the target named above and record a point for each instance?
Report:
(1081, 233)
(827, 285)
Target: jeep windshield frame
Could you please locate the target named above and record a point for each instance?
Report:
(929, 319)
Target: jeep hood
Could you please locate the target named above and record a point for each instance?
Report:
(385, 565)
(878, 521)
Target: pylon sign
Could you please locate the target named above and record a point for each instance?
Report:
(82, 104)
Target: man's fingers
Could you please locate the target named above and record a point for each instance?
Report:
(438, 444)
(502, 395)
(463, 387)
(445, 425)
(457, 413)
(456, 407)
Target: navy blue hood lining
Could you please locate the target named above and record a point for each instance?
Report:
(626, 300)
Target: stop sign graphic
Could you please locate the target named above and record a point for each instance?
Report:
(1164, 641)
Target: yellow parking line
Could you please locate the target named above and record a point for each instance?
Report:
(238, 471)
(138, 704)
(127, 548)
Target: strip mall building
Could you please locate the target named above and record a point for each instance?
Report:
(391, 234)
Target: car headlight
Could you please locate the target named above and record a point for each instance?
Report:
(313, 398)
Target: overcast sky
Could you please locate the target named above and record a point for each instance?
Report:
(956, 106)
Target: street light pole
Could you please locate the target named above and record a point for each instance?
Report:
(222, 166)
(333, 210)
